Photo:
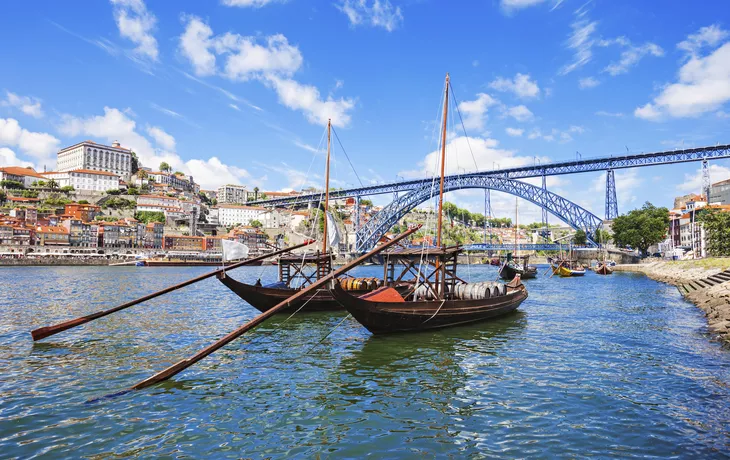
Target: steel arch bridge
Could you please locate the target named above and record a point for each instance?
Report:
(569, 212)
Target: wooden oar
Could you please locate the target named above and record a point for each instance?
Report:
(557, 269)
(48, 331)
(185, 363)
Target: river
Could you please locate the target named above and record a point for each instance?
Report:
(602, 365)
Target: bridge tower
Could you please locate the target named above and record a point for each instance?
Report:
(545, 227)
(357, 221)
(706, 179)
(611, 201)
(487, 212)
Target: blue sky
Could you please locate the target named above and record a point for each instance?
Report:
(239, 90)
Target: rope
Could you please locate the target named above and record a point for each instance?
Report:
(463, 127)
(328, 334)
(438, 310)
(347, 156)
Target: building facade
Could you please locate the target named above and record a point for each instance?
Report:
(85, 179)
(720, 192)
(25, 176)
(176, 181)
(97, 157)
(233, 194)
(239, 215)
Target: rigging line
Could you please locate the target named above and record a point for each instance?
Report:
(464, 128)
(348, 157)
(316, 216)
(328, 334)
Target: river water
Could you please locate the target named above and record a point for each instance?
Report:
(599, 366)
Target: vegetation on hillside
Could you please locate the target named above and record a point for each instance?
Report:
(717, 231)
(150, 216)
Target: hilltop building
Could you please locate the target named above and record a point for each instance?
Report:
(720, 192)
(233, 194)
(84, 179)
(88, 155)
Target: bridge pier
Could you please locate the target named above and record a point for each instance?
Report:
(546, 229)
(611, 201)
(706, 179)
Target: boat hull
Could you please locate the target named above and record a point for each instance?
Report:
(509, 272)
(388, 317)
(604, 270)
(567, 272)
(264, 298)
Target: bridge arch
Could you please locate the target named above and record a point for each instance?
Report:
(567, 211)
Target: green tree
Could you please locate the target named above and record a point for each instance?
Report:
(113, 191)
(150, 216)
(83, 202)
(366, 202)
(603, 236)
(256, 223)
(450, 211)
(11, 184)
(580, 237)
(164, 167)
(642, 227)
(67, 188)
(255, 193)
(179, 173)
(132, 191)
(3, 196)
(134, 163)
(717, 231)
(52, 184)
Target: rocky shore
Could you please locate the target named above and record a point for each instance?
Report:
(700, 282)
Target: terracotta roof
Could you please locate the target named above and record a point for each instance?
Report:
(236, 206)
(52, 229)
(20, 171)
(23, 200)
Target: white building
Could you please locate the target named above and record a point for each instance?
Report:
(176, 181)
(233, 194)
(229, 214)
(25, 176)
(85, 179)
(98, 157)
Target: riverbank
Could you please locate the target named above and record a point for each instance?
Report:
(712, 297)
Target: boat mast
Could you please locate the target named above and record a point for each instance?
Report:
(443, 164)
(441, 280)
(327, 186)
(516, 250)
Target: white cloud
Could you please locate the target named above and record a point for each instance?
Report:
(627, 183)
(475, 112)
(520, 113)
(306, 98)
(693, 181)
(631, 55)
(114, 124)
(162, 139)
(521, 86)
(195, 44)
(248, 3)
(28, 105)
(555, 134)
(38, 145)
(603, 113)
(459, 150)
(706, 36)
(307, 147)
(576, 129)
(271, 60)
(137, 24)
(514, 132)
(588, 82)
(9, 158)
(234, 107)
(581, 41)
(380, 13)
(510, 6)
(703, 86)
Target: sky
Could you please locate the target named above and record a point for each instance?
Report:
(240, 91)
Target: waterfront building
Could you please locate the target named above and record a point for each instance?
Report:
(108, 235)
(6, 234)
(88, 155)
(183, 243)
(213, 244)
(233, 194)
(720, 192)
(83, 212)
(25, 176)
(85, 179)
(80, 233)
(23, 236)
(176, 181)
(51, 236)
(229, 214)
(153, 236)
(251, 237)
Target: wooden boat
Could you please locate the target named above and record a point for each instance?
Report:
(389, 310)
(188, 263)
(603, 269)
(296, 272)
(518, 265)
(439, 298)
(567, 268)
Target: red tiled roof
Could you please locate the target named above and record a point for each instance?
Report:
(20, 171)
